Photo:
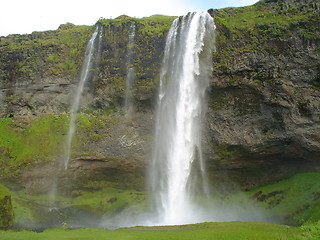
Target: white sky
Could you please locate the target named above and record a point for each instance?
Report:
(26, 16)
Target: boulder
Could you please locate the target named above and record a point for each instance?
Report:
(6, 210)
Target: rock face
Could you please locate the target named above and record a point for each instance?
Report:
(115, 158)
(263, 103)
(39, 77)
(39, 73)
(38, 70)
(6, 210)
(263, 119)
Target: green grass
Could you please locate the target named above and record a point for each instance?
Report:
(26, 142)
(310, 231)
(259, 28)
(27, 207)
(242, 18)
(23, 143)
(294, 201)
(154, 25)
(221, 231)
(108, 200)
(4, 191)
(31, 209)
(60, 52)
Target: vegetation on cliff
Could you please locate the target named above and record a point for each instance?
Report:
(26, 58)
(83, 209)
(24, 143)
(6, 210)
(146, 52)
(267, 27)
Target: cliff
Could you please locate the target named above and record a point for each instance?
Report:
(263, 103)
(40, 71)
(263, 115)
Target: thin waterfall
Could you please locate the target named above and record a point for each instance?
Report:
(1, 96)
(91, 59)
(128, 104)
(184, 78)
(93, 49)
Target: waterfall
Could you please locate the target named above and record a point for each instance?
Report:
(86, 73)
(128, 103)
(1, 96)
(92, 57)
(177, 171)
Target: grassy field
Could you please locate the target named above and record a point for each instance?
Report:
(221, 231)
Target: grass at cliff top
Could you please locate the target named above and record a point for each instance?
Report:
(227, 230)
(244, 17)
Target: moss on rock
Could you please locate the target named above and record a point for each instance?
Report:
(6, 210)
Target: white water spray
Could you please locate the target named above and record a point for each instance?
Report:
(184, 78)
(86, 73)
(177, 174)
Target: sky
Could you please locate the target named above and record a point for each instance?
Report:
(26, 16)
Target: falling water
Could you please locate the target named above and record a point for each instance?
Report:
(174, 176)
(131, 72)
(86, 73)
(177, 182)
(1, 96)
(92, 57)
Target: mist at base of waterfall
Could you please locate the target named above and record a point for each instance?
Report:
(238, 209)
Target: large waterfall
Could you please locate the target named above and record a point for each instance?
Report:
(177, 171)
(93, 49)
